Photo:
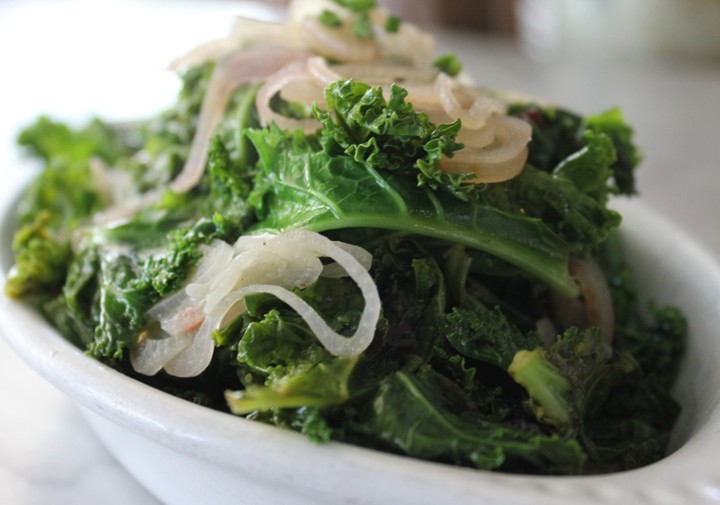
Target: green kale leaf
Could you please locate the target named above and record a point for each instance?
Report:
(386, 135)
(571, 378)
(422, 415)
(449, 64)
(301, 185)
(486, 336)
(41, 261)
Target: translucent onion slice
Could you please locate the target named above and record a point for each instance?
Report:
(245, 33)
(335, 343)
(182, 312)
(149, 357)
(419, 82)
(206, 283)
(338, 43)
(249, 32)
(596, 295)
(511, 136)
(485, 172)
(409, 43)
(271, 264)
(240, 67)
(500, 161)
(285, 263)
(476, 115)
(335, 270)
(306, 92)
(476, 139)
(386, 73)
(321, 72)
(294, 72)
(301, 9)
(195, 358)
(213, 50)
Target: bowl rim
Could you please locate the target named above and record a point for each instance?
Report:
(304, 465)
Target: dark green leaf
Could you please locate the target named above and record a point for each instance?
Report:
(333, 192)
(417, 415)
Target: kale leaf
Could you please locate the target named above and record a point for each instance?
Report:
(41, 261)
(386, 135)
(422, 415)
(335, 191)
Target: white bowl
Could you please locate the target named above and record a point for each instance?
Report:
(187, 454)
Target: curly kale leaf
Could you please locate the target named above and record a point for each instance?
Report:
(120, 307)
(286, 365)
(574, 165)
(106, 293)
(41, 261)
(66, 188)
(60, 198)
(486, 335)
(581, 220)
(558, 134)
(387, 135)
(307, 385)
(572, 198)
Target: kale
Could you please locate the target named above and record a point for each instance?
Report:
(58, 200)
(165, 140)
(458, 371)
(357, 5)
(65, 189)
(362, 26)
(336, 191)
(571, 197)
(41, 261)
(392, 24)
(386, 135)
(98, 297)
(449, 64)
(418, 415)
(486, 335)
(558, 133)
(120, 309)
(329, 18)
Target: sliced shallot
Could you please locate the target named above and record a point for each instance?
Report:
(596, 295)
(500, 161)
(594, 307)
(473, 117)
(239, 68)
(149, 357)
(336, 42)
(273, 264)
(294, 72)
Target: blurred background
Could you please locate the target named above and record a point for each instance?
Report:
(658, 60)
(549, 27)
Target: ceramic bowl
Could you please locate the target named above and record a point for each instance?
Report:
(187, 454)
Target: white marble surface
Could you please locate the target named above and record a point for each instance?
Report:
(74, 58)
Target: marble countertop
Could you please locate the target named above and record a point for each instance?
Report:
(76, 58)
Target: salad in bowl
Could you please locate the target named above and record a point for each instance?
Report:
(335, 231)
